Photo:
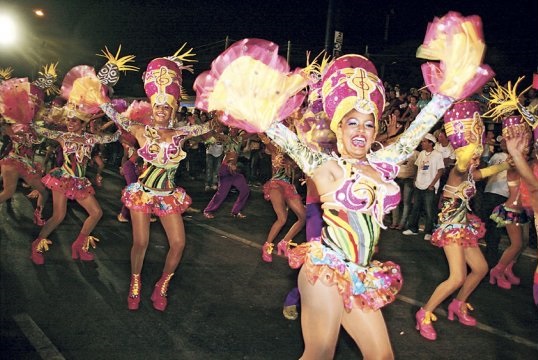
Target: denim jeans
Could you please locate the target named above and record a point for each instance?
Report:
(401, 213)
(212, 165)
(424, 204)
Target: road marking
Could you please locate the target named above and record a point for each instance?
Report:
(408, 300)
(37, 337)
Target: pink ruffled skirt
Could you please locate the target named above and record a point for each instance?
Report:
(74, 188)
(137, 197)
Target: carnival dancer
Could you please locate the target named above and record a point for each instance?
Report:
(517, 148)
(280, 190)
(155, 192)
(340, 284)
(511, 215)
(20, 101)
(504, 102)
(459, 230)
(229, 175)
(69, 181)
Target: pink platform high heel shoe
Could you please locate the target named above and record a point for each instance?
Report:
(160, 292)
(267, 252)
(133, 300)
(510, 276)
(424, 324)
(39, 246)
(283, 247)
(81, 247)
(459, 308)
(496, 275)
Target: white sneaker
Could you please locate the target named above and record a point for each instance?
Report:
(409, 232)
(428, 237)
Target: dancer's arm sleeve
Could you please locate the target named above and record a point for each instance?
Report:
(410, 139)
(493, 169)
(120, 120)
(48, 133)
(307, 159)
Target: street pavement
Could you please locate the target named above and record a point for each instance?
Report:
(224, 301)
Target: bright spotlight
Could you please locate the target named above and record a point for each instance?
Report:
(39, 12)
(8, 30)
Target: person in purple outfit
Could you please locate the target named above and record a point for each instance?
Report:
(229, 176)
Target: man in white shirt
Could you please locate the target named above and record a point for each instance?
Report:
(430, 167)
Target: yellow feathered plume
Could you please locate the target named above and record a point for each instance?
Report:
(504, 100)
(185, 57)
(5, 73)
(120, 62)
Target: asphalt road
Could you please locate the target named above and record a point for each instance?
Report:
(224, 302)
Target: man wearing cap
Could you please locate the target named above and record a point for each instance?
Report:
(430, 167)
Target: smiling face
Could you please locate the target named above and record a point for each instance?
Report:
(74, 125)
(356, 134)
(162, 115)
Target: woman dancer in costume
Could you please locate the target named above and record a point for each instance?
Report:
(155, 192)
(340, 284)
(282, 194)
(505, 101)
(459, 230)
(69, 181)
(19, 103)
(511, 215)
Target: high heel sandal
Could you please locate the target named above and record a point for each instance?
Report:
(496, 275)
(267, 252)
(38, 220)
(283, 247)
(158, 297)
(424, 324)
(133, 300)
(81, 246)
(459, 308)
(510, 276)
(39, 246)
(239, 215)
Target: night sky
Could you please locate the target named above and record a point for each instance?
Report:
(73, 31)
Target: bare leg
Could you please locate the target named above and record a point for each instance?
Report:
(9, 177)
(43, 193)
(59, 208)
(175, 231)
(140, 223)
(298, 208)
(94, 211)
(458, 270)
(515, 234)
(321, 316)
(373, 343)
(279, 206)
(479, 269)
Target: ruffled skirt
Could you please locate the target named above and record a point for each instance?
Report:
(74, 188)
(26, 169)
(137, 197)
(365, 287)
(288, 190)
(466, 235)
(503, 215)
